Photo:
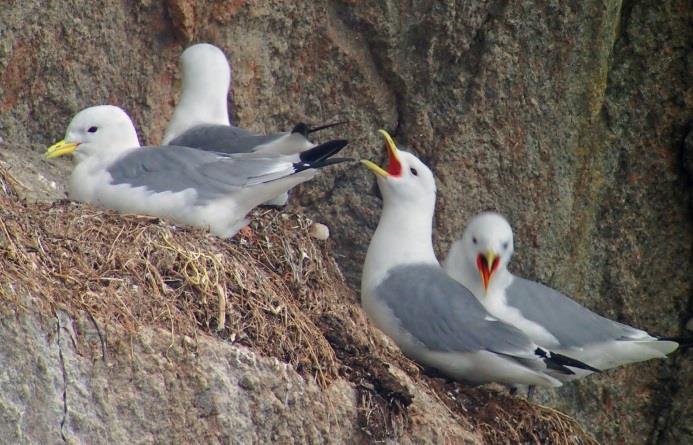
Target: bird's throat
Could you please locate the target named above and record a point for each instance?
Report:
(403, 237)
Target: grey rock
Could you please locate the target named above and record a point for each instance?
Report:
(56, 386)
(567, 117)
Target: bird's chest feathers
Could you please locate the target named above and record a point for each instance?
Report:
(86, 179)
(496, 303)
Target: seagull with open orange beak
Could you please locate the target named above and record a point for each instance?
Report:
(431, 317)
(486, 246)
(479, 261)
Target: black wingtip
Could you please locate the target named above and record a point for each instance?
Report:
(323, 151)
(301, 128)
(326, 126)
(299, 166)
(552, 364)
(684, 342)
(560, 362)
(321, 156)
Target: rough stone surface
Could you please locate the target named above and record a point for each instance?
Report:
(568, 117)
(83, 384)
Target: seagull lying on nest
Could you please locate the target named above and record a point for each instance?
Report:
(201, 119)
(479, 261)
(432, 318)
(187, 185)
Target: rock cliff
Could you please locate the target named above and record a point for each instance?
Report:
(571, 118)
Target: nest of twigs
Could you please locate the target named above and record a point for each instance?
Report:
(259, 290)
(272, 288)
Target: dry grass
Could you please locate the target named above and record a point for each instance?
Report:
(501, 418)
(259, 290)
(272, 288)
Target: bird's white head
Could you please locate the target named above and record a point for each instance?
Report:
(403, 235)
(99, 129)
(206, 77)
(205, 66)
(485, 247)
(406, 181)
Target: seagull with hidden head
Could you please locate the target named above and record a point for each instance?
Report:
(431, 317)
(479, 261)
(201, 119)
(183, 184)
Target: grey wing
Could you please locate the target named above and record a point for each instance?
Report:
(174, 169)
(223, 139)
(444, 315)
(572, 324)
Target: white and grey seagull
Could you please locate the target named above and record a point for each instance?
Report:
(432, 318)
(201, 118)
(479, 261)
(183, 184)
(206, 77)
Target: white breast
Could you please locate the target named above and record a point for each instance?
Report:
(90, 182)
(496, 303)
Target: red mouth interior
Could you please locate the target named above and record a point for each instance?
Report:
(394, 168)
(485, 269)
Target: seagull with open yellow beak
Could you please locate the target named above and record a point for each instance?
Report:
(479, 261)
(431, 317)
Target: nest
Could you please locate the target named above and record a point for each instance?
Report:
(259, 290)
(502, 418)
(272, 288)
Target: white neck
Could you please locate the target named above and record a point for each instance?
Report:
(202, 101)
(458, 267)
(403, 237)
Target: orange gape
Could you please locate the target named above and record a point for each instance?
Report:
(484, 269)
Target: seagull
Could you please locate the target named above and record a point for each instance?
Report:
(186, 185)
(201, 119)
(206, 76)
(479, 261)
(432, 318)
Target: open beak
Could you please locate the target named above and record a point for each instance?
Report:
(487, 264)
(394, 166)
(61, 148)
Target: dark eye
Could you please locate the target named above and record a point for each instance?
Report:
(413, 171)
(505, 245)
(474, 240)
(92, 129)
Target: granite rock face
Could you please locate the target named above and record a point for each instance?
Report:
(571, 118)
(154, 390)
(84, 384)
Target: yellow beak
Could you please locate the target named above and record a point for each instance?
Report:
(490, 256)
(61, 148)
(394, 165)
